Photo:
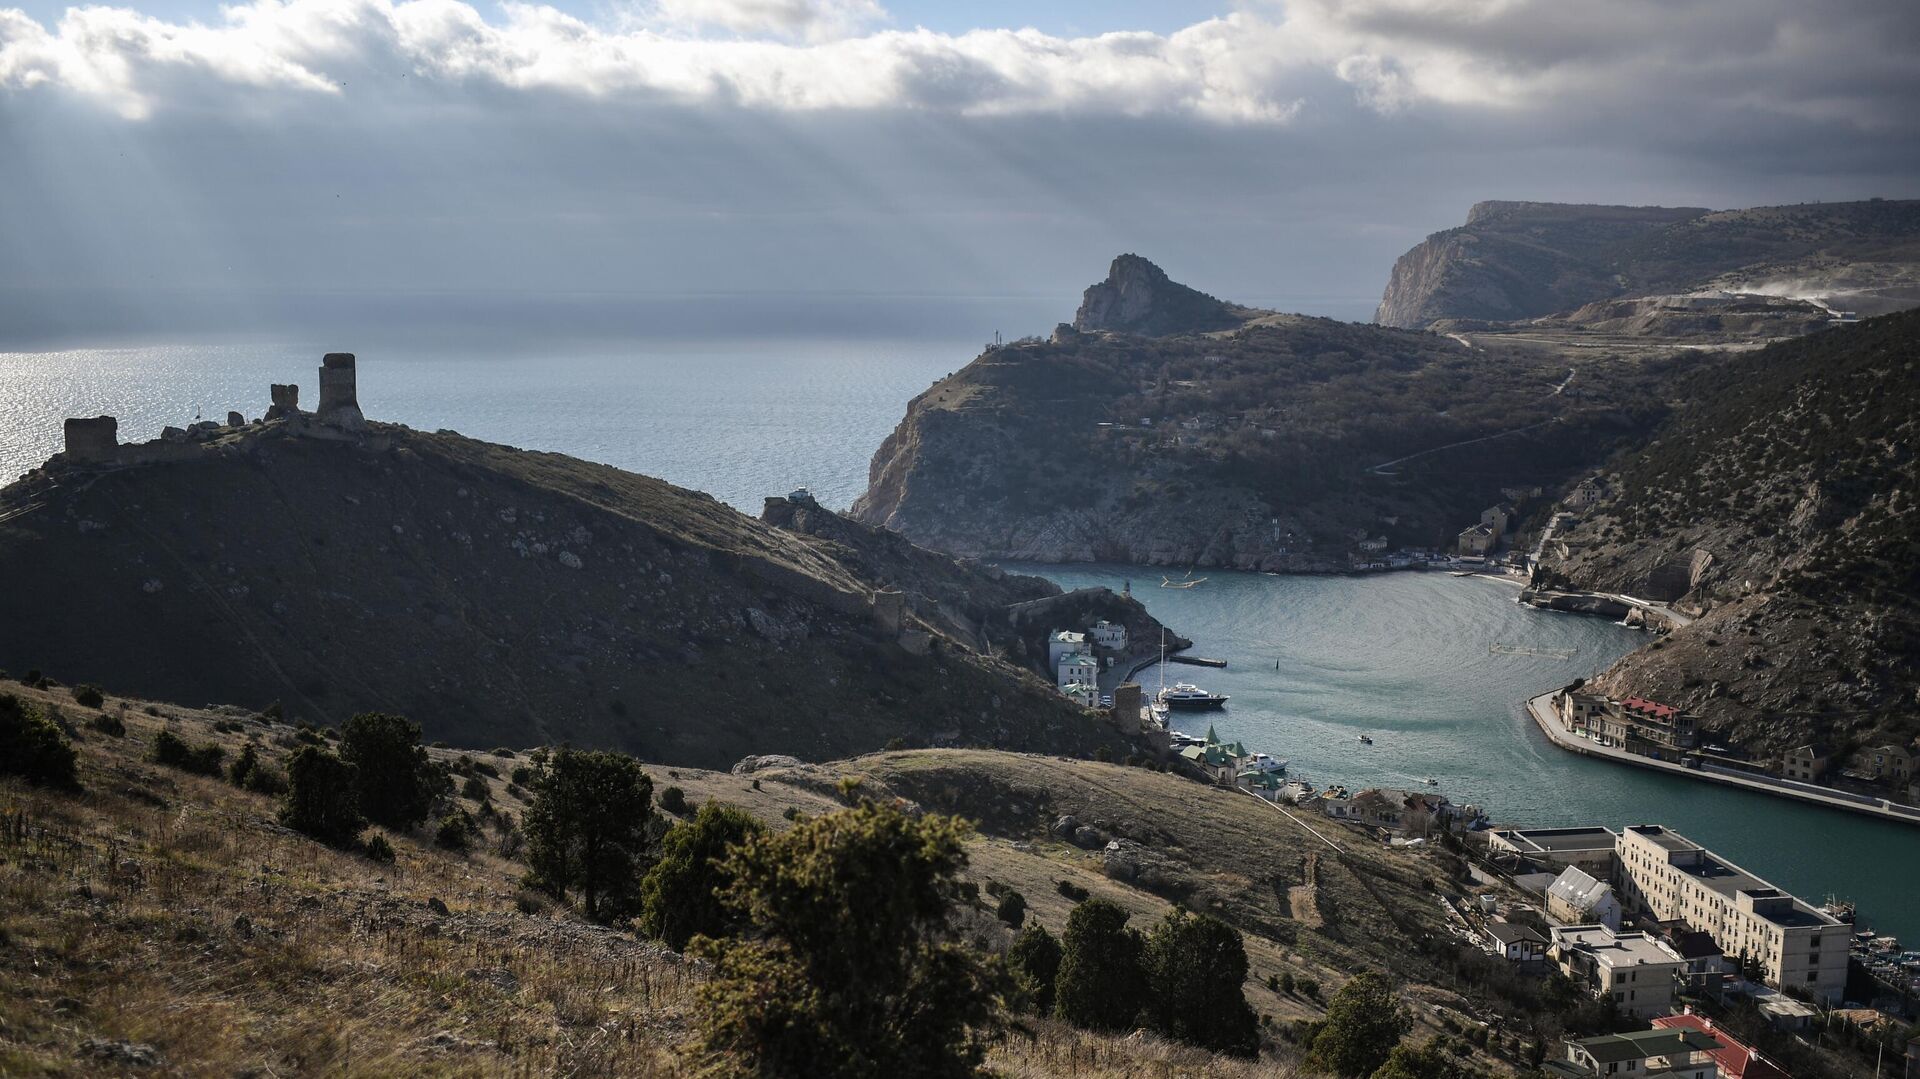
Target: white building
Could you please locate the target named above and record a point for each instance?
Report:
(1637, 970)
(1110, 635)
(1576, 898)
(1084, 694)
(1078, 667)
(1795, 945)
(1062, 644)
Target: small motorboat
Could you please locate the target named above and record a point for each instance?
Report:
(1433, 783)
(1366, 739)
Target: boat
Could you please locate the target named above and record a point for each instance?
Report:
(1433, 783)
(1262, 762)
(1188, 697)
(1366, 739)
(1168, 582)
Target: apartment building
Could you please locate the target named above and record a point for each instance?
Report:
(1638, 970)
(1676, 880)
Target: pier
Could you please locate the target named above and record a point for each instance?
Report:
(1541, 709)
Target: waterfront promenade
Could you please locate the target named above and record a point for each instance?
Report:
(1541, 709)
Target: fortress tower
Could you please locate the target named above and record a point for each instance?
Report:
(339, 403)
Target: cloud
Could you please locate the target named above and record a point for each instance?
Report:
(812, 20)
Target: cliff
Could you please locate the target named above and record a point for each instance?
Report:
(495, 596)
(1777, 504)
(1523, 260)
(1277, 445)
(1137, 297)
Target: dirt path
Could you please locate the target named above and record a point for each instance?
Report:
(1304, 899)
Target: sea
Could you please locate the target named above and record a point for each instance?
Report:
(1313, 663)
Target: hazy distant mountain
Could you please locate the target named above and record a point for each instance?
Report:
(1520, 260)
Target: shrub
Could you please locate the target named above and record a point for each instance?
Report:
(395, 782)
(1364, 1022)
(88, 696)
(1195, 965)
(521, 776)
(108, 724)
(587, 829)
(454, 832)
(1073, 891)
(273, 711)
(1034, 961)
(790, 813)
(321, 799)
(476, 789)
(485, 768)
(680, 895)
(32, 747)
(502, 751)
(674, 801)
(896, 744)
(1012, 909)
(379, 849)
(242, 768)
(266, 780)
(171, 750)
(1103, 754)
(892, 998)
(1427, 1062)
(1101, 984)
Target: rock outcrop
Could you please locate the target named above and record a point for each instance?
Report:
(1776, 506)
(1137, 297)
(1525, 260)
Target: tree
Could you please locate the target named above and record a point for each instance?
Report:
(587, 829)
(1364, 1022)
(680, 897)
(1101, 985)
(1012, 909)
(1196, 965)
(397, 782)
(320, 798)
(1428, 1061)
(33, 747)
(851, 974)
(1034, 960)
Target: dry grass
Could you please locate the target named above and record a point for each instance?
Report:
(172, 910)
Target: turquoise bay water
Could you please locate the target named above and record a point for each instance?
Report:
(1404, 658)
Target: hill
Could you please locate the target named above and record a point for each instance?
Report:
(1278, 444)
(1777, 504)
(166, 918)
(1138, 297)
(496, 596)
(1524, 260)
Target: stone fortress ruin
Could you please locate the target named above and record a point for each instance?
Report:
(96, 440)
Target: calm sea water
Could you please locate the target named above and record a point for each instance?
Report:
(1403, 657)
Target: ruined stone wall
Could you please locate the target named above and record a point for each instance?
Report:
(96, 439)
(339, 400)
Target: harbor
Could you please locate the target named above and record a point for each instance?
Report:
(1316, 662)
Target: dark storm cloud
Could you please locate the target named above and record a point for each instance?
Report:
(298, 154)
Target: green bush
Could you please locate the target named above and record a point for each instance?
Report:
(88, 696)
(242, 767)
(171, 750)
(1073, 891)
(587, 829)
(674, 801)
(321, 800)
(1034, 961)
(848, 975)
(32, 747)
(1101, 985)
(1364, 1022)
(1012, 909)
(791, 813)
(680, 897)
(108, 724)
(378, 849)
(1195, 966)
(521, 776)
(454, 832)
(476, 789)
(396, 783)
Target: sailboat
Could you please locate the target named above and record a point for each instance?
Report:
(1185, 582)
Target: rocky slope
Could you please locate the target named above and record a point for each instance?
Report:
(1523, 260)
(1778, 502)
(1137, 297)
(1277, 444)
(495, 596)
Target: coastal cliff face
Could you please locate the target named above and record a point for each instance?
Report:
(1778, 504)
(1137, 297)
(1279, 445)
(1524, 260)
(496, 597)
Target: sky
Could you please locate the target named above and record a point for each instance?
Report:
(182, 165)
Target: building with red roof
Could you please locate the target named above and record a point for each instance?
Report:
(1733, 1059)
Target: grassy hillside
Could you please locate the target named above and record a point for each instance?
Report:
(1779, 501)
(495, 596)
(163, 913)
